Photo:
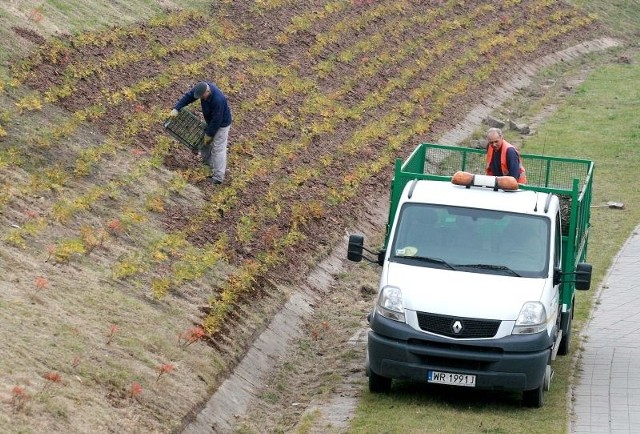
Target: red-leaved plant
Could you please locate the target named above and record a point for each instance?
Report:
(41, 283)
(52, 378)
(194, 334)
(135, 390)
(115, 227)
(165, 368)
(113, 329)
(19, 398)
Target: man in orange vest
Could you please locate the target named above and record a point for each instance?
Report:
(503, 158)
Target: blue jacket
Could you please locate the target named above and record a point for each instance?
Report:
(215, 109)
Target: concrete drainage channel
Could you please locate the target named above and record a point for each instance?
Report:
(235, 393)
(233, 397)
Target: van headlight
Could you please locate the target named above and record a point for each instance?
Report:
(390, 303)
(532, 319)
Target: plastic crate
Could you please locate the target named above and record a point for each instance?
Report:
(187, 128)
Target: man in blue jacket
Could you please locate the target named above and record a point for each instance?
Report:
(217, 114)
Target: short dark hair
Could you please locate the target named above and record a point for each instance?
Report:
(199, 89)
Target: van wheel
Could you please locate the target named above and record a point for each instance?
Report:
(534, 398)
(378, 383)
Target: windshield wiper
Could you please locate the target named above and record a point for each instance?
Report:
(490, 267)
(429, 259)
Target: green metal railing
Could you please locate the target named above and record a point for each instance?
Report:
(570, 179)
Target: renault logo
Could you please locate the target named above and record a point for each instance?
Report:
(457, 327)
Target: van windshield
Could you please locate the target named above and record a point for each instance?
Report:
(472, 240)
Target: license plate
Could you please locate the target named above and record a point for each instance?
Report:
(451, 379)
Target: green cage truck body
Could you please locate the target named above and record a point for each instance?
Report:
(478, 280)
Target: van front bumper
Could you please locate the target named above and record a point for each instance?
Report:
(510, 363)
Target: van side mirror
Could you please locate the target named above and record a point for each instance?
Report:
(354, 250)
(583, 276)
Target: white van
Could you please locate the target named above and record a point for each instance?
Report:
(470, 290)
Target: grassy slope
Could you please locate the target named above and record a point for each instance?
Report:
(71, 16)
(113, 304)
(63, 321)
(598, 121)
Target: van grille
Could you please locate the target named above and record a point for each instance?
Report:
(444, 325)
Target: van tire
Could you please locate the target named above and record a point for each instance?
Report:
(378, 383)
(534, 398)
(565, 343)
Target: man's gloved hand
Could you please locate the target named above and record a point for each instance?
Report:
(173, 113)
(207, 140)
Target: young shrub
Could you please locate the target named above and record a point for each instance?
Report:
(165, 368)
(194, 334)
(135, 390)
(20, 399)
(113, 329)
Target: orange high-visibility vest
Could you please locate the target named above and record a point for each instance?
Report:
(522, 179)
